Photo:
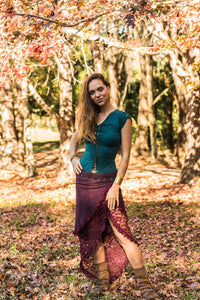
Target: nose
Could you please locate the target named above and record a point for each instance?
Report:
(97, 94)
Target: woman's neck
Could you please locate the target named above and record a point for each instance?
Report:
(106, 109)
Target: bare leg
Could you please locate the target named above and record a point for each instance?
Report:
(135, 258)
(131, 249)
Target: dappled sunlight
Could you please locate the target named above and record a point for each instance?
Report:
(159, 188)
(40, 255)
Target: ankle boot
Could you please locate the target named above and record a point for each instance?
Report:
(144, 284)
(103, 280)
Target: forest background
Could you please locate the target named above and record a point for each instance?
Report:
(150, 53)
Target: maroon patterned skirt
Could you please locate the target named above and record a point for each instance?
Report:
(92, 224)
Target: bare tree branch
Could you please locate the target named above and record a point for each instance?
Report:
(162, 93)
(62, 24)
(41, 102)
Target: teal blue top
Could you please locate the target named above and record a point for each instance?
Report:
(101, 156)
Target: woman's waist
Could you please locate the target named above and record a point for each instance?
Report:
(86, 177)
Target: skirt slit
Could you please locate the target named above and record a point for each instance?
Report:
(92, 223)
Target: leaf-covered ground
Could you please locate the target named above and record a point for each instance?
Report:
(39, 257)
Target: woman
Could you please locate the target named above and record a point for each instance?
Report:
(106, 242)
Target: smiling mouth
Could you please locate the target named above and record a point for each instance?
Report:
(99, 100)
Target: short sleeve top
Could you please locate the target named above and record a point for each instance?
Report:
(101, 155)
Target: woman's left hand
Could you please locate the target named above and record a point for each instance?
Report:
(113, 196)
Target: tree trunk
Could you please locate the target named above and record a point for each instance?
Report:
(66, 113)
(179, 82)
(170, 127)
(10, 157)
(112, 64)
(182, 107)
(141, 143)
(191, 168)
(152, 123)
(129, 66)
(189, 76)
(112, 60)
(24, 111)
(19, 122)
(144, 37)
(97, 56)
(189, 83)
(65, 123)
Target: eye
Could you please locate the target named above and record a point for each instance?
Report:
(91, 92)
(100, 89)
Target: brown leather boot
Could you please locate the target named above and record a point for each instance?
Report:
(144, 284)
(103, 280)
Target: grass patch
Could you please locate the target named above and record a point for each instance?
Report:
(45, 146)
(189, 296)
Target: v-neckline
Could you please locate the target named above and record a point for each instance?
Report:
(106, 118)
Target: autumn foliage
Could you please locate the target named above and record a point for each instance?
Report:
(40, 257)
(40, 28)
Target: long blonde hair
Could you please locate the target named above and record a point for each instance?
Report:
(88, 110)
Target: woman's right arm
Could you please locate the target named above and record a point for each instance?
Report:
(75, 160)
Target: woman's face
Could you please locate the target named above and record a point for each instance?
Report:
(99, 92)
